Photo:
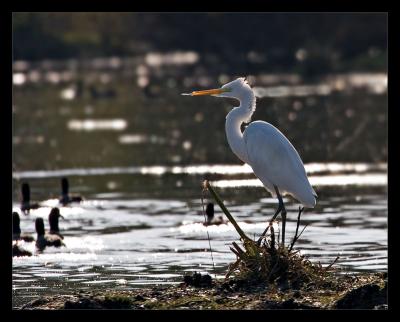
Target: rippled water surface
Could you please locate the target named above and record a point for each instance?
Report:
(138, 152)
(123, 240)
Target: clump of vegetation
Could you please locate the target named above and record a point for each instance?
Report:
(270, 262)
(117, 301)
(266, 261)
(198, 280)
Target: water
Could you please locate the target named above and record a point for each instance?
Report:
(128, 239)
(138, 152)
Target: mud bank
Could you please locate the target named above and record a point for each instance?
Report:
(367, 291)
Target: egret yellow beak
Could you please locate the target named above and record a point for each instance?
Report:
(215, 91)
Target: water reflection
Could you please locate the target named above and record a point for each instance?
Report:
(223, 169)
(132, 242)
(66, 71)
(92, 125)
(140, 139)
(174, 58)
(19, 79)
(373, 83)
(317, 181)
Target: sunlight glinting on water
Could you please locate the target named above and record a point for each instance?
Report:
(50, 203)
(285, 91)
(195, 170)
(373, 179)
(155, 59)
(93, 125)
(218, 229)
(339, 167)
(45, 208)
(19, 79)
(374, 83)
(65, 257)
(87, 243)
(370, 179)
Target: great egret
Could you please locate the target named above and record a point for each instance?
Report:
(270, 154)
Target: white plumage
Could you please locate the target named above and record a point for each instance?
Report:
(275, 161)
(272, 157)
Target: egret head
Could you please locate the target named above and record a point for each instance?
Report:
(236, 89)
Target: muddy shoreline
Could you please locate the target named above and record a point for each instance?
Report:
(366, 291)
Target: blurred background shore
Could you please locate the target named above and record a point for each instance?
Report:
(321, 78)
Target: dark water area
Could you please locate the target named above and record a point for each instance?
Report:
(138, 152)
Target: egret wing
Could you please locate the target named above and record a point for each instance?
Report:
(276, 162)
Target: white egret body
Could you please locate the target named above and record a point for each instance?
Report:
(270, 154)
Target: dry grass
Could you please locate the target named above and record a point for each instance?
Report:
(266, 261)
(269, 263)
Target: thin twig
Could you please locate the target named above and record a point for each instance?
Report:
(272, 237)
(262, 235)
(272, 271)
(279, 233)
(232, 267)
(297, 229)
(235, 252)
(297, 238)
(330, 265)
(302, 232)
(239, 250)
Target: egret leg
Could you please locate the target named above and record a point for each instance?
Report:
(280, 208)
(283, 214)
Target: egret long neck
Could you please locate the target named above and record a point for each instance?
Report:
(234, 120)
